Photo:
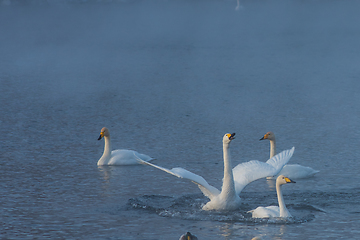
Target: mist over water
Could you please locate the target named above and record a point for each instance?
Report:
(169, 79)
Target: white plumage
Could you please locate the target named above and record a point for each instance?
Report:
(234, 179)
(293, 171)
(120, 156)
(274, 211)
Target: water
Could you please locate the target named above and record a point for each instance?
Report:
(169, 78)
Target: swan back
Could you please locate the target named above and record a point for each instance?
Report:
(296, 171)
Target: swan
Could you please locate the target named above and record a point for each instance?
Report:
(120, 156)
(188, 236)
(234, 179)
(274, 211)
(293, 171)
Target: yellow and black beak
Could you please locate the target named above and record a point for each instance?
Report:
(288, 180)
(101, 135)
(264, 137)
(231, 136)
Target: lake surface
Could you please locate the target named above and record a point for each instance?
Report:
(169, 79)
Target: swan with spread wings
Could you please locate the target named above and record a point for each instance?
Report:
(234, 179)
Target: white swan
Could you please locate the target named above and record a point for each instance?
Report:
(120, 156)
(234, 179)
(275, 211)
(293, 171)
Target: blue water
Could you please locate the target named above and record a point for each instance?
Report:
(169, 79)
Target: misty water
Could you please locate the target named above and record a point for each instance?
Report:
(169, 79)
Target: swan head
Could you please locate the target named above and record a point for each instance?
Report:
(104, 133)
(228, 137)
(281, 180)
(269, 135)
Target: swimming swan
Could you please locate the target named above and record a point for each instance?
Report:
(120, 156)
(293, 171)
(274, 211)
(234, 179)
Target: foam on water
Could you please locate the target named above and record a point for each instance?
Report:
(189, 207)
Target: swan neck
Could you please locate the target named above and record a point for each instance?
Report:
(107, 151)
(272, 148)
(228, 183)
(107, 148)
(283, 210)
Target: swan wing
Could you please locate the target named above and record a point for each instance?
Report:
(248, 172)
(143, 156)
(208, 190)
(279, 160)
(126, 157)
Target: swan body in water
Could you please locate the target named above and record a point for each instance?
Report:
(234, 179)
(293, 171)
(275, 211)
(120, 156)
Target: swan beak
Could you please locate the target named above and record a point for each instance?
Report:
(288, 180)
(232, 136)
(264, 137)
(101, 135)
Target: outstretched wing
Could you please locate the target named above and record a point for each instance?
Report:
(247, 172)
(208, 190)
(278, 160)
